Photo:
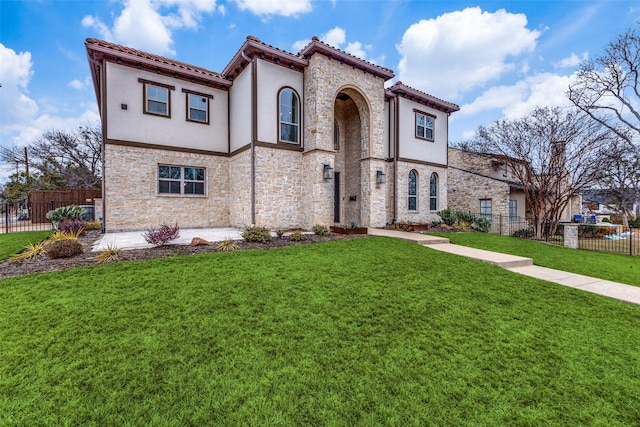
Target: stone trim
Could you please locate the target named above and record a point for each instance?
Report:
(420, 162)
(280, 146)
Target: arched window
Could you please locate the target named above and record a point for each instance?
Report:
(413, 190)
(289, 112)
(433, 192)
(336, 136)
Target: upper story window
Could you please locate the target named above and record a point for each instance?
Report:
(424, 125)
(433, 192)
(197, 106)
(289, 112)
(413, 191)
(157, 98)
(180, 180)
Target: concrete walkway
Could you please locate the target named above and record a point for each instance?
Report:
(523, 266)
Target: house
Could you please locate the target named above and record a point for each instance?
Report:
(604, 203)
(484, 183)
(276, 139)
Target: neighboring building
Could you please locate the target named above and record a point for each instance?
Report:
(483, 183)
(276, 139)
(602, 202)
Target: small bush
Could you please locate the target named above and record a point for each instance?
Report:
(448, 216)
(635, 223)
(320, 230)
(227, 245)
(463, 225)
(93, 225)
(353, 224)
(606, 220)
(297, 236)
(482, 224)
(64, 235)
(523, 234)
(403, 226)
(162, 235)
(64, 249)
(72, 226)
(465, 216)
(111, 254)
(280, 234)
(32, 251)
(256, 234)
(58, 215)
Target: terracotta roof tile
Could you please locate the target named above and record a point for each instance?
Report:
(152, 57)
(399, 86)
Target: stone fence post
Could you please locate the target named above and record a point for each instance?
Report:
(571, 236)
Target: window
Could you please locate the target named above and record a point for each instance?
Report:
(336, 136)
(513, 209)
(180, 180)
(289, 116)
(485, 208)
(433, 192)
(424, 126)
(197, 107)
(157, 98)
(413, 190)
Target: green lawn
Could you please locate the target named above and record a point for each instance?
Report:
(608, 266)
(360, 332)
(13, 243)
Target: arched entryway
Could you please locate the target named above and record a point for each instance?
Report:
(351, 142)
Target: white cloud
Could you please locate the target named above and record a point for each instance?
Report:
(77, 84)
(356, 49)
(572, 61)
(300, 44)
(517, 100)
(141, 23)
(461, 50)
(337, 37)
(275, 7)
(334, 37)
(15, 74)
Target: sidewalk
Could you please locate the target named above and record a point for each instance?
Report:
(522, 266)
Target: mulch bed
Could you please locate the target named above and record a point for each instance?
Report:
(10, 268)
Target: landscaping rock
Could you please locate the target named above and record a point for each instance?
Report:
(199, 241)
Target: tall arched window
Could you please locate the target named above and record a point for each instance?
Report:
(433, 192)
(413, 190)
(289, 112)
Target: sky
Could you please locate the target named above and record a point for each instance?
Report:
(495, 59)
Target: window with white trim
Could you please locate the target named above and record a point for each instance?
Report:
(181, 180)
(433, 192)
(289, 116)
(424, 126)
(413, 191)
(157, 100)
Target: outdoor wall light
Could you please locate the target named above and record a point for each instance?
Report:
(381, 178)
(327, 172)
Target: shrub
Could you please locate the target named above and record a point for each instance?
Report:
(32, 251)
(64, 249)
(162, 235)
(606, 220)
(320, 230)
(256, 234)
(112, 253)
(93, 225)
(465, 216)
(58, 215)
(227, 245)
(463, 225)
(353, 224)
(635, 223)
(403, 226)
(482, 224)
(297, 236)
(280, 234)
(525, 233)
(71, 226)
(63, 235)
(448, 216)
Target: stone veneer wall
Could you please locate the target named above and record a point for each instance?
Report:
(279, 196)
(240, 189)
(132, 201)
(423, 214)
(467, 189)
(323, 79)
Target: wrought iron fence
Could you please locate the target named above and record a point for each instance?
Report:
(32, 216)
(612, 238)
(525, 228)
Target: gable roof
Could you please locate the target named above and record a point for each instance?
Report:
(318, 46)
(423, 98)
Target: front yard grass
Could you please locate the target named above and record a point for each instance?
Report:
(13, 243)
(607, 266)
(368, 331)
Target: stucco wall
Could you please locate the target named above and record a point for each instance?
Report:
(240, 110)
(133, 125)
(411, 147)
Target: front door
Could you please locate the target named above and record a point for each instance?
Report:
(336, 197)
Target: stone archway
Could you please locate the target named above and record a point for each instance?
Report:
(352, 119)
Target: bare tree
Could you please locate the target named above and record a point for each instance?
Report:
(553, 152)
(607, 87)
(70, 159)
